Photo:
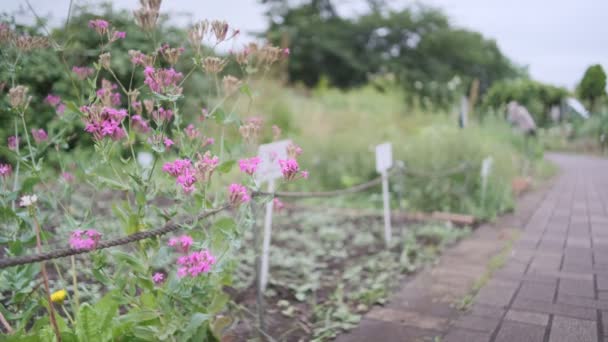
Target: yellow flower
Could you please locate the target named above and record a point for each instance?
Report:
(59, 296)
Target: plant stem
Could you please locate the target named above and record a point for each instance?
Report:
(16, 180)
(75, 282)
(5, 323)
(45, 277)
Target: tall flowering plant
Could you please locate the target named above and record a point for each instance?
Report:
(147, 166)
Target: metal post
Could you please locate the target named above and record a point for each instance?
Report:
(266, 241)
(387, 209)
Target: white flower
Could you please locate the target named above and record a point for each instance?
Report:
(28, 200)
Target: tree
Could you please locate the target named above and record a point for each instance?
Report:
(593, 85)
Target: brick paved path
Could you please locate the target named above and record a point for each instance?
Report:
(552, 288)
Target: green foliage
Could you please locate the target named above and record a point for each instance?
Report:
(537, 97)
(593, 84)
(430, 58)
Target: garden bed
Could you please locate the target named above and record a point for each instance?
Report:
(326, 271)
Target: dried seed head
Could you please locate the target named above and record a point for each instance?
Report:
(197, 33)
(105, 60)
(6, 34)
(18, 97)
(270, 54)
(231, 84)
(171, 55)
(140, 58)
(147, 15)
(214, 65)
(219, 29)
(149, 105)
(28, 43)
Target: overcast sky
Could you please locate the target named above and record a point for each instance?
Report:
(556, 39)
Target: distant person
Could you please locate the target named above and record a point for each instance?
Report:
(521, 118)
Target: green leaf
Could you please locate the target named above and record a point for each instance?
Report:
(218, 302)
(195, 323)
(28, 184)
(226, 166)
(246, 90)
(220, 325)
(226, 224)
(219, 116)
(86, 326)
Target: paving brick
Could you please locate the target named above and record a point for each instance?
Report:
(564, 329)
(583, 301)
(460, 335)
(556, 309)
(583, 288)
(527, 317)
(520, 332)
(478, 323)
(538, 291)
(487, 311)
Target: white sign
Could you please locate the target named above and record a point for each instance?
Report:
(269, 170)
(270, 154)
(384, 157)
(486, 165)
(384, 161)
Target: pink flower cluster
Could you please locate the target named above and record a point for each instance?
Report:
(278, 204)
(82, 72)
(68, 177)
(191, 132)
(140, 124)
(168, 142)
(162, 115)
(181, 243)
(195, 263)
(291, 169)
(164, 81)
(238, 194)
(5, 170)
(55, 102)
(249, 165)
(13, 142)
(106, 94)
(84, 239)
(119, 35)
(99, 25)
(158, 278)
(183, 172)
(39, 135)
(104, 122)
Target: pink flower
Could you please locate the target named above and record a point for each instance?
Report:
(84, 239)
(293, 150)
(208, 141)
(286, 52)
(120, 35)
(181, 244)
(104, 122)
(68, 177)
(164, 81)
(168, 142)
(140, 124)
(106, 94)
(291, 169)
(158, 278)
(99, 25)
(238, 194)
(205, 165)
(249, 166)
(5, 170)
(192, 132)
(195, 263)
(39, 135)
(175, 168)
(82, 72)
(183, 172)
(162, 115)
(13, 142)
(278, 204)
(52, 100)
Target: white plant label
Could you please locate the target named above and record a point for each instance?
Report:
(384, 157)
(384, 161)
(268, 171)
(486, 165)
(270, 154)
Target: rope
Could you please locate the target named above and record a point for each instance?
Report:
(455, 170)
(169, 227)
(61, 253)
(331, 193)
